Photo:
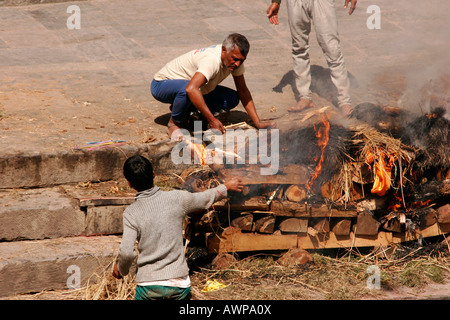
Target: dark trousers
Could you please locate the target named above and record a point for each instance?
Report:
(174, 92)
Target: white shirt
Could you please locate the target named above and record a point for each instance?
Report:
(182, 282)
(207, 61)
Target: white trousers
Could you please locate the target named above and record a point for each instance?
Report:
(323, 14)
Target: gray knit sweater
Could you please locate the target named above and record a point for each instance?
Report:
(155, 220)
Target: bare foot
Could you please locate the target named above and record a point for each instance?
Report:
(346, 110)
(175, 133)
(302, 104)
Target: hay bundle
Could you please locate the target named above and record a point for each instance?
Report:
(369, 141)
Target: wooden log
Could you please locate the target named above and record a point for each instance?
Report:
(295, 193)
(294, 225)
(445, 189)
(296, 209)
(443, 214)
(342, 227)
(282, 208)
(372, 204)
(245, 222)
(322, 225)
(366, 225)
(258, 203)
(392, 225)
(251, 174)
(428, 218)
(233, 240)
(265, 224)
(105, 201)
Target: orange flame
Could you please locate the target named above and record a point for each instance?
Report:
(382, 171)
(201, 153)
(322, 133)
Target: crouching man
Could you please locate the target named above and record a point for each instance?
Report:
(190, 83)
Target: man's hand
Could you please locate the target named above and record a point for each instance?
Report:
(234, 184)
(352, 5)
(116, 273)
(272, 13)
(216, 124)
(266, 124)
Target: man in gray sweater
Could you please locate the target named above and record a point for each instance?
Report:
(155, 220)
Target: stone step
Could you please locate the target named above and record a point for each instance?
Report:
(43, 169)
(33, 214)
(54, 264)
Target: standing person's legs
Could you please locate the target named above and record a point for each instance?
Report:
(300, 26)
(325, 21)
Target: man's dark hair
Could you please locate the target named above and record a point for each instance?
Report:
(138, 170)
(237, 39)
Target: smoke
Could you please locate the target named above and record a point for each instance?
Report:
(428, 89)
(411, 54)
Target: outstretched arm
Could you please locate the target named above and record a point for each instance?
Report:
(247, 100)
(196, 97)
(193, 202)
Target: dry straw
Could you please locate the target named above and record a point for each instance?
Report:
(101, 285)
(367, 140)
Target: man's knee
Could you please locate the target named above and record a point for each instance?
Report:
(233, 100)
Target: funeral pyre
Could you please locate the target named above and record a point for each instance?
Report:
(378, 181)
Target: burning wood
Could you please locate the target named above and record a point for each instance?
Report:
(337, 183)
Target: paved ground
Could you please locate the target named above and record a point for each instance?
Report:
(60, 88)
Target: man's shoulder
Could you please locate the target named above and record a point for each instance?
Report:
(211, 50)
(161, 197)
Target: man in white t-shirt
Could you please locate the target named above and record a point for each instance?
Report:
(191, 82)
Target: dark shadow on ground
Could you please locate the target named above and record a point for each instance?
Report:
(320, 83)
